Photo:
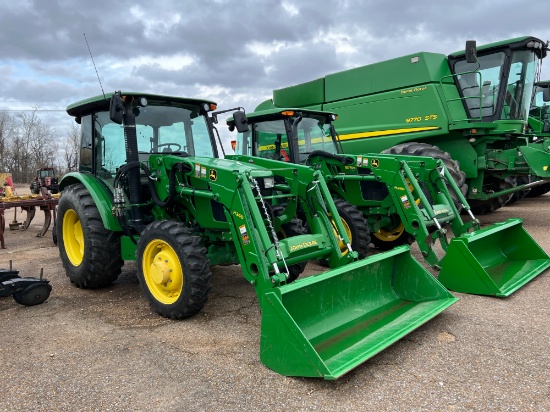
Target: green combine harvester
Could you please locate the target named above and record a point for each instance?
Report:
(471, 106)
(397, 199)
(152, 188)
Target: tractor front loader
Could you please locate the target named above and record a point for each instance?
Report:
(151, 187)
(398, 199)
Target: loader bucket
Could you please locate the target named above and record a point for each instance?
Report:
(494, 261)
(327, 324)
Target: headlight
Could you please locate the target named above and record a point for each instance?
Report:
(269, 182)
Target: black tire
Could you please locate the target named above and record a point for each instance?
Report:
(395, 235)
(90, 253)
(33, 295)
(520, 194)
(356, 226)
(424, 149)
(539, 190)
(483, 207)
(290, 229)
(173, 270)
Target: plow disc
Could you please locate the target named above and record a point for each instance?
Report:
(494, 261)
(327, 324)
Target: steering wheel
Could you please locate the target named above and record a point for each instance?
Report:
(169, 146)
(344, 159)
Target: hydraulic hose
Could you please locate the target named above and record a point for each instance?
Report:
(134, 185)
(181, 167)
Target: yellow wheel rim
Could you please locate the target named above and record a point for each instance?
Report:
(73, 237)
(389, 235)
(342, 245)
(162, 271)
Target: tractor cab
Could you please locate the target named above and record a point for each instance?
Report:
(159, 125)
(496, 81)
(290, 135)
(539, 118)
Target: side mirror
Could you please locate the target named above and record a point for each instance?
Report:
(116, 109)
(546, 94)
(471, 51)
(241, 122)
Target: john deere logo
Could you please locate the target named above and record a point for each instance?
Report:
(375, 163)
(213, 175)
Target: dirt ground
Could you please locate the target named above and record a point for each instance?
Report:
(106, 350)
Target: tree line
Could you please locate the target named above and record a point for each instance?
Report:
(27, 143)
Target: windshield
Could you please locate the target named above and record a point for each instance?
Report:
(160, 129)
(520, 85)
(538, 96)
(46, 173)
(488, 94)
(539, 108)
(271, 141)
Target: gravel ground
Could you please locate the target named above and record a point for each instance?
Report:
(106, 350)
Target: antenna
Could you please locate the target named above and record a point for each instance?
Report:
(100, 85)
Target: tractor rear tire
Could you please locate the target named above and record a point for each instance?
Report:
(173, 270)
(483, 207)
(90, 253)
(388, 238)
(293, 228)
(424, 149)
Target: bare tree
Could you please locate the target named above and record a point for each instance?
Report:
(33, 145)
(71, 149)
(7, 127)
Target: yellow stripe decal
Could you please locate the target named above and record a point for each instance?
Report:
(284, 145)
(377, 133)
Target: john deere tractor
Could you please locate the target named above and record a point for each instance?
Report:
(152, 188)
(470, 106)
(399, 199)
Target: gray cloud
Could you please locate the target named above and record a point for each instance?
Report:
(234, 52)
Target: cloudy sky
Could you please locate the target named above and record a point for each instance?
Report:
(231, 51)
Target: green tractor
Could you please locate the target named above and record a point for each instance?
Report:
(398, 199)
(471, 106)
(152, 188)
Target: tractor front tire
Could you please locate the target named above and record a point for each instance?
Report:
(90, 253)
(173, 270)
(290, 229)
(356, 227)
(387, 238)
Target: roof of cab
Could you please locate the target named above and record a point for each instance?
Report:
(101, 102)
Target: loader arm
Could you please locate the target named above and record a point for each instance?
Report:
(402, 197)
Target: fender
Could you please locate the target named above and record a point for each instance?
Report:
(100, 194)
